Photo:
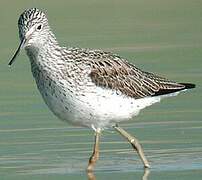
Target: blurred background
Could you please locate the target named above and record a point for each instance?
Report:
(164, 37)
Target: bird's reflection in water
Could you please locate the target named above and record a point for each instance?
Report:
(91, 175)
(146, 174)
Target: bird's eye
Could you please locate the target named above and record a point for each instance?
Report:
(39, 27)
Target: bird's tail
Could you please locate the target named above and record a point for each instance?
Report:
(188, 85)
(173, 89)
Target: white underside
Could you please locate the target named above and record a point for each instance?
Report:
(98, 107)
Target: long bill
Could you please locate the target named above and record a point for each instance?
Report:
(17, 51)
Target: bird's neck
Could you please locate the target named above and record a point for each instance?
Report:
(44, 53)
(45, 58)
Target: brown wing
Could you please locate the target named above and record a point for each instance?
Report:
(116, 73)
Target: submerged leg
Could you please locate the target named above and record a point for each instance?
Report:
(95, 156)
(145, 175)
(134, 142)
(91, 176)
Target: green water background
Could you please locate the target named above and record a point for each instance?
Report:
(159, 36)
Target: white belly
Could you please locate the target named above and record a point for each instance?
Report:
(96, 106)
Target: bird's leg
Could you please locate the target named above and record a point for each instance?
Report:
(134, 142)
(95, 156)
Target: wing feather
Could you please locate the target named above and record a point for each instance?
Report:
(124, 77)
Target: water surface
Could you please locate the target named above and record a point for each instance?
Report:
(159, 36)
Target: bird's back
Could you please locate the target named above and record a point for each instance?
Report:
(110, 71)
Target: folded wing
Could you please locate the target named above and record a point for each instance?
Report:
(117, 74)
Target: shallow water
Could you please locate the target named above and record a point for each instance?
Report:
(164, 37)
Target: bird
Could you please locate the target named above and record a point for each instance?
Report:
(90, 88)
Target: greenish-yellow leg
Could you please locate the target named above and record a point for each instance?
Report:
(135, 143)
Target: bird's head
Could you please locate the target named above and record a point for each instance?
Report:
(33, 30)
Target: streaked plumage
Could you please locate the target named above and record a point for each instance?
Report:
(87, 87)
